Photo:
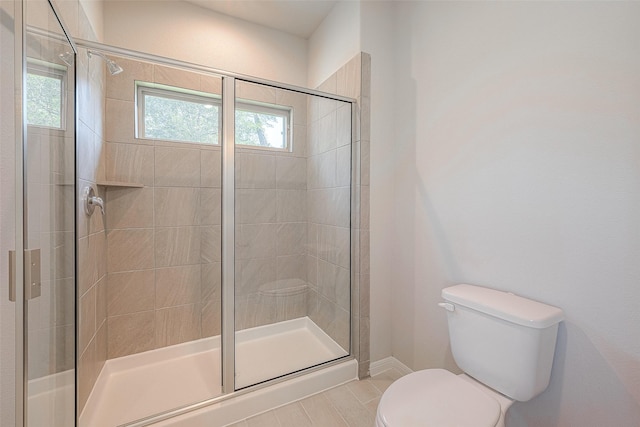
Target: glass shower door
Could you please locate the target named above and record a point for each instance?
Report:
(49, 228)
(292, 231)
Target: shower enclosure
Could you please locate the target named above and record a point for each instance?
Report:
(197, 233)
(227, 230)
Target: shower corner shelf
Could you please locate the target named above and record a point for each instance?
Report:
(120, 184)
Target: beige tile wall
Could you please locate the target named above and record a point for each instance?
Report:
(312, 228)
(91, 236)
(163, 240)
(328, 204)
(294, 244)
(271, 215)
(352, 80)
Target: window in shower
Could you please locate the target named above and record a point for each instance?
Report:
(262, 125)
(176, 114)
(45, 95)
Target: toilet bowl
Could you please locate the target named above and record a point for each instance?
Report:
(505, 345)
(439, 398)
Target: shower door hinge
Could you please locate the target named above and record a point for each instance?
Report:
(32, 277)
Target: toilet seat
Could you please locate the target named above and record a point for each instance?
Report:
(436, 398)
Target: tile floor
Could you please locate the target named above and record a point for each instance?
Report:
(350, 405)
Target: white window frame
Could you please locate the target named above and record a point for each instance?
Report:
(55, 71)
(171, 92)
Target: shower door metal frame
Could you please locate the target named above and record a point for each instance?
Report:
(228, 308)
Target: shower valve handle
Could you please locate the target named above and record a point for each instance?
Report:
(91, 201)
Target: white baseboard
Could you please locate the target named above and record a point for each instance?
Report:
(388, 363)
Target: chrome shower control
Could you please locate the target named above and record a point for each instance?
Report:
(90, 201)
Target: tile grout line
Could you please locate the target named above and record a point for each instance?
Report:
(305, 411)
(338, 412)
(348, 389)
(334, 407)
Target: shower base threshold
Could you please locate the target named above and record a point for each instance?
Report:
(133, 387)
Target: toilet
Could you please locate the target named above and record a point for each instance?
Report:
(504, 343)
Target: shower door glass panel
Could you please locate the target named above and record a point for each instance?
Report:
(50, 226)
(292, 231)
(162, 232)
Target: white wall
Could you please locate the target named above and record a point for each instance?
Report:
(334, 42)
(518, 135)
(190, 33)
(378, 39)
(94, 11)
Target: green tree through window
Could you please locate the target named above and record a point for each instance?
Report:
(260, 129)
(180, 120)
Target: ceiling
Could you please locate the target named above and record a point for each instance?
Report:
(297, 17)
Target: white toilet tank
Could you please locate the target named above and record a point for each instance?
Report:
(502, 340)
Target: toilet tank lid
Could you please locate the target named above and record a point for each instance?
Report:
(504, 305)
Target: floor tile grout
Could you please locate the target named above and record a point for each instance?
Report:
(387, 376)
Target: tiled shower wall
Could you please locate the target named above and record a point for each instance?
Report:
(292, 249)
(271, 220)
(163, 240)
(328, 204)
(354, 80)
(92, 271)
(91, 237)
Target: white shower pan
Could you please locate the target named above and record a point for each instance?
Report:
(141, 385)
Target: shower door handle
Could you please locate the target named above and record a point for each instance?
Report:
(32, 276)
